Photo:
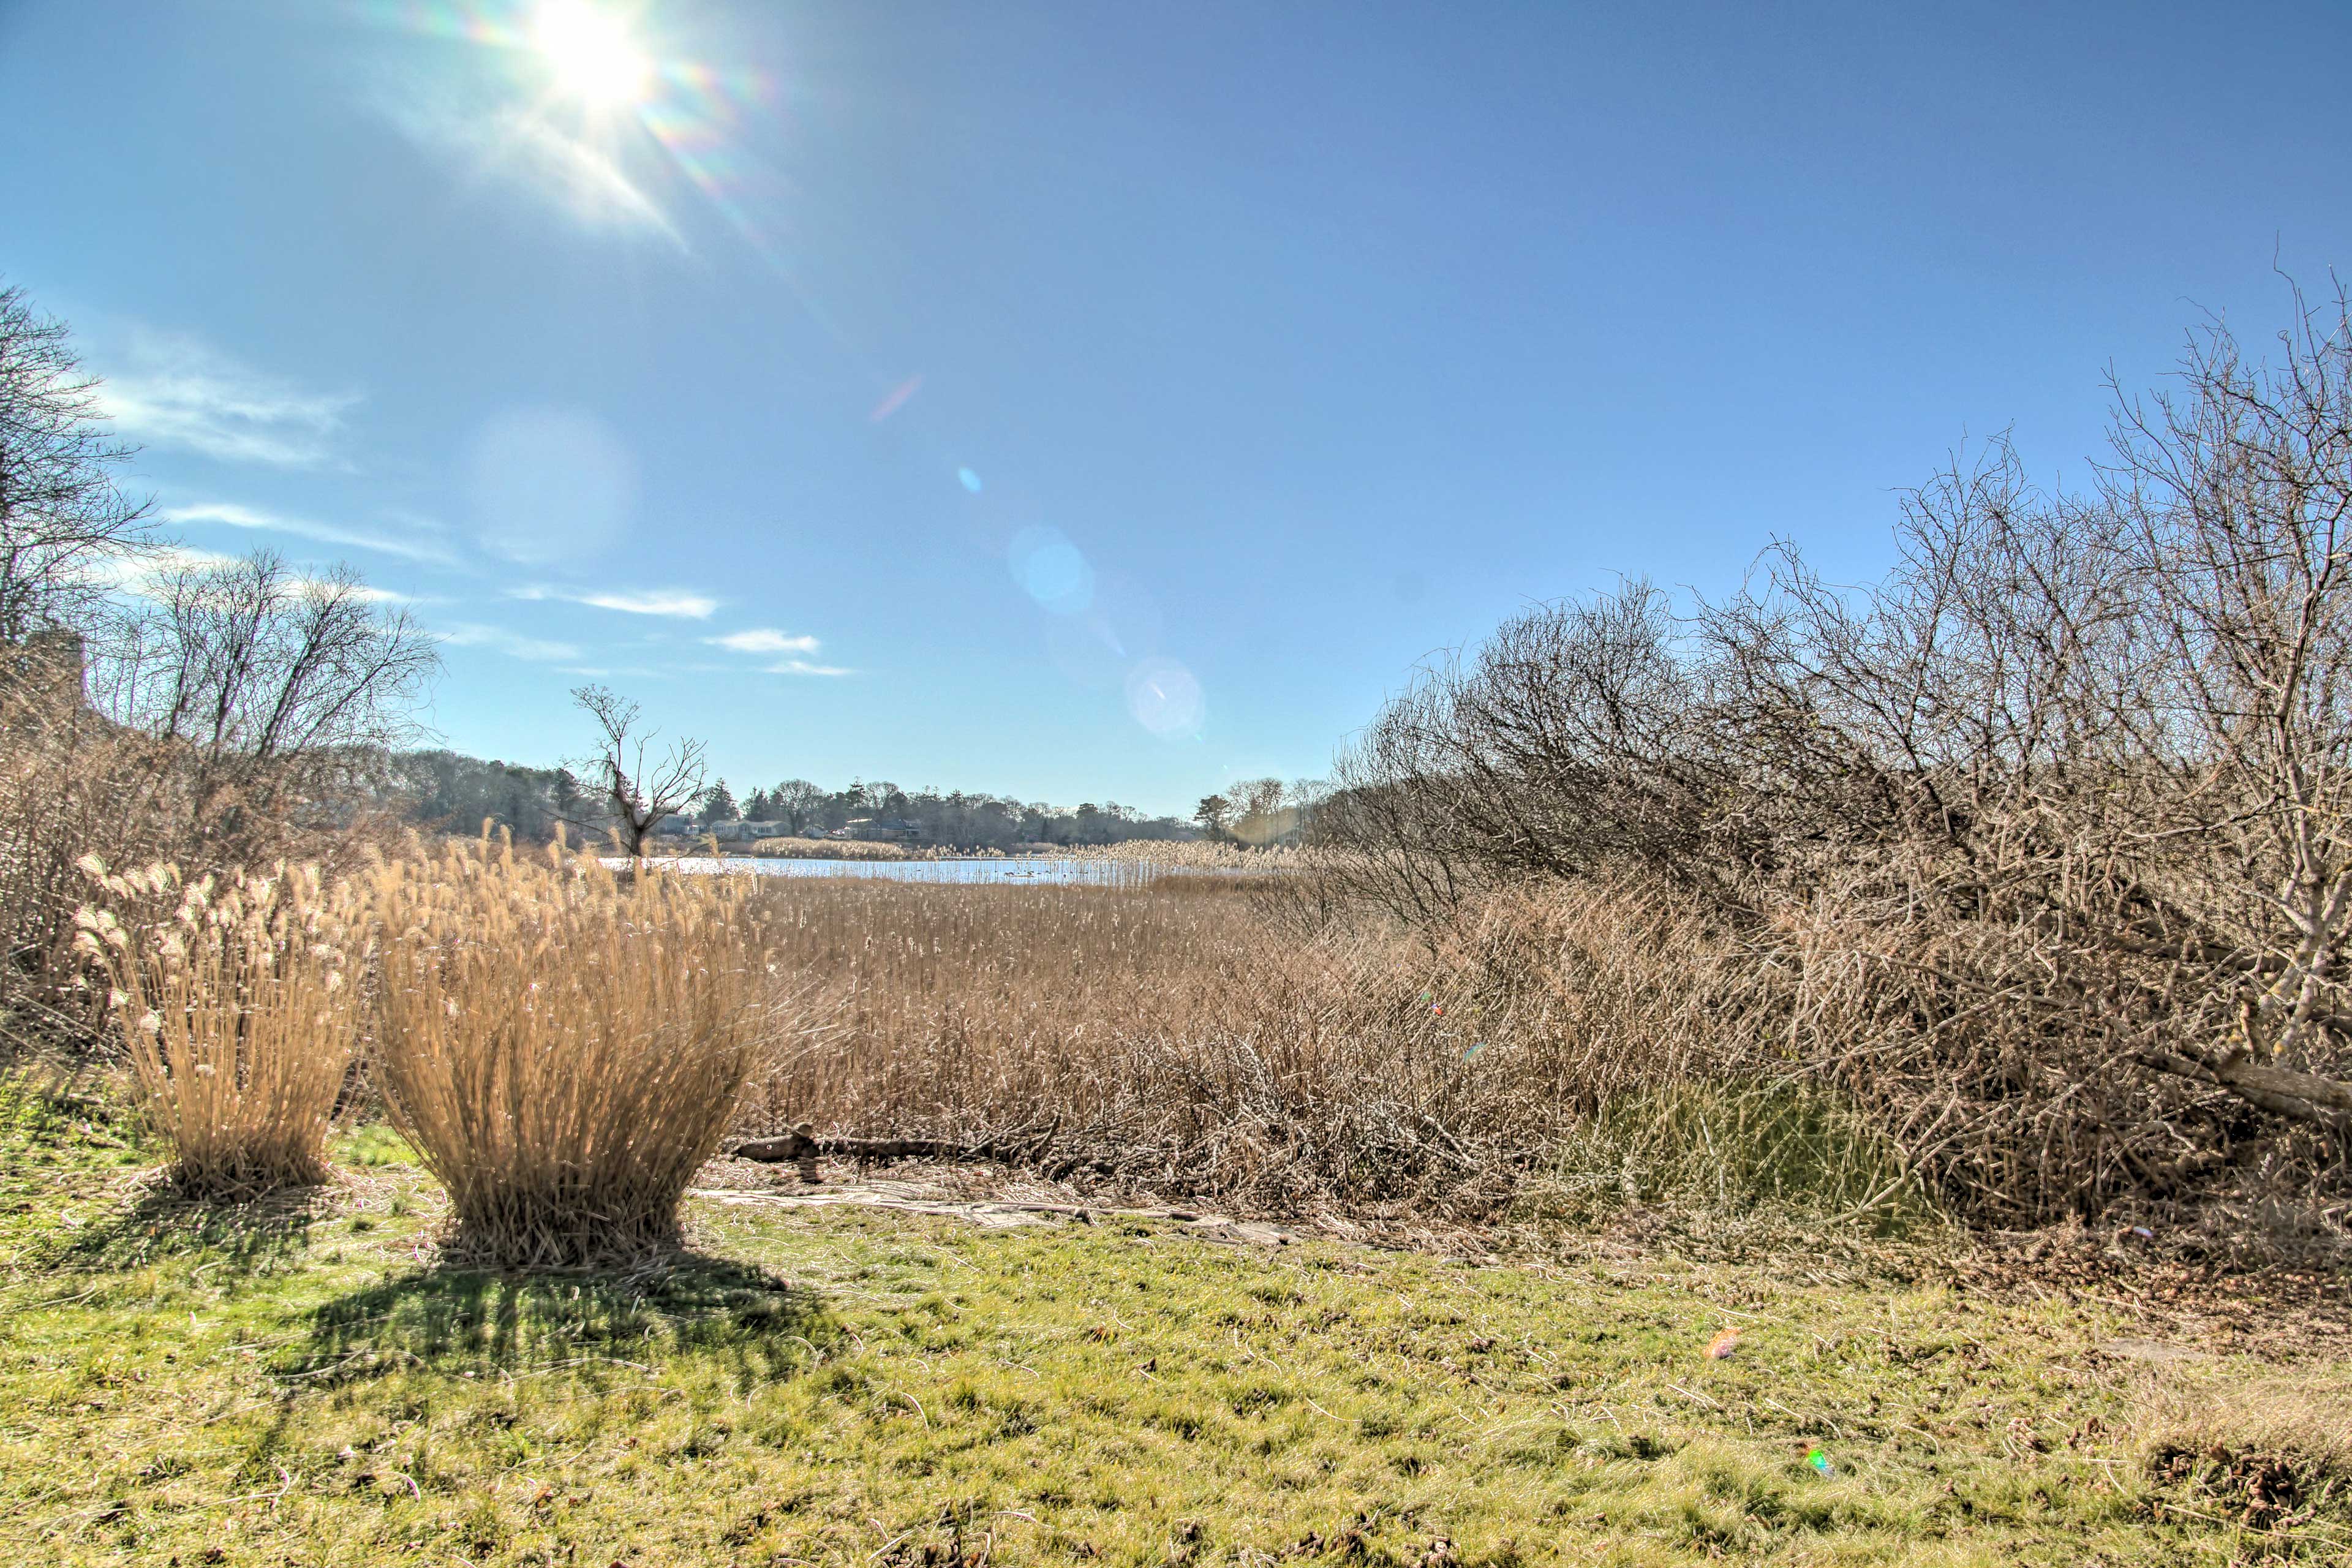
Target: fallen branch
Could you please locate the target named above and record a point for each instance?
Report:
(2282, 1091)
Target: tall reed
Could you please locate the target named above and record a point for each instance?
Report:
(564, 1047)
(1170, 1031)
(237, 1011)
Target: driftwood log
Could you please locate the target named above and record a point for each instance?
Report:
(801, 1147)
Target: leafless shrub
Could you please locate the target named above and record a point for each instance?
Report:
(2039, 846)
(233, 722)
(271, 691)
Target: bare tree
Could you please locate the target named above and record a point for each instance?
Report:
(65, 524)
(271, 691)
(637, 786)
(241, 717)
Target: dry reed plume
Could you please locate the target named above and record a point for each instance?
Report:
(1191, 855)
(564, 1047)
(834, 849)
(238, 1012)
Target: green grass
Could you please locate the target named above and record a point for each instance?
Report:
(1775, 1145)
(297, 1383)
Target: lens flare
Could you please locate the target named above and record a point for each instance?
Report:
(896, 400)
(967, 479)
(1165, 699)
(1051, 570)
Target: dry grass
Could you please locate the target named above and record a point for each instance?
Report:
(2273, 1453)
(75, 785)
(832, 849)
(1191, 855)
(563, 1046)
(69, 786)
(1195, 1034)
(237, 1014)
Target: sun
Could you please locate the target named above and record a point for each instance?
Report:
(591, 54)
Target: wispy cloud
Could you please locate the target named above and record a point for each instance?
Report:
(169, 389)
(803, 667)
(413, 541)
(146, 572)
(765, 639)
(678, 602)
(521, 147)
(139, 574)
(468, 634)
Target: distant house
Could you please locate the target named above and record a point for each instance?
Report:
(746, 832)
(677, 823)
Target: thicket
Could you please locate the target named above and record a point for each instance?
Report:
(2040, 849)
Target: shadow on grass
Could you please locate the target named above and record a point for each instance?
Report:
(259, 1236)
(758, 1327)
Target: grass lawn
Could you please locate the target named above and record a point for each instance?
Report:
(302, 1386)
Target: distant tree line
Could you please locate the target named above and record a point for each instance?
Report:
(449, 790)
(958, 818)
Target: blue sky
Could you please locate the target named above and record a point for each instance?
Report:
(1103, 402)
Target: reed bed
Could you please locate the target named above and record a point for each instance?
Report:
(1192, 855)
(833, 849)
(1205, 1041)
(238, 1012)
(563, 1046)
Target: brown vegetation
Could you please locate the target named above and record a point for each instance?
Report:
(2041, 848)
(2273, 1454)
(232, 724)
(2018, 884)
(832, 849)
(1197, 1037)
(563, 1046)
(238, 1005)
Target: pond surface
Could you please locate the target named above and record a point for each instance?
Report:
(1019, 873)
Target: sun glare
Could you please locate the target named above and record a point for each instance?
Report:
(591, 53)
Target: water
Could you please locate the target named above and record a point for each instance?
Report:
(1017, 873)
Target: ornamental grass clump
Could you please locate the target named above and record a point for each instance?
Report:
(238, 1010)
(564, 1047)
